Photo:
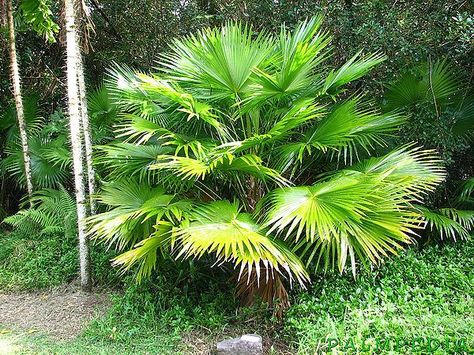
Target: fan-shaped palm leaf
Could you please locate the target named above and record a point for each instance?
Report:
(50, 162)
(220, 228)
(358, 216)
(221, 60)
(137, 210)
(432, 82)
(414, 170)
(448, 222)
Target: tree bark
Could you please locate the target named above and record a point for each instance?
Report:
(72, 54)
(15, 77)
(86, 131)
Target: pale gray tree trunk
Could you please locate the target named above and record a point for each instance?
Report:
(15, 77)
(85, 113)
(72, 54)
(86, 132)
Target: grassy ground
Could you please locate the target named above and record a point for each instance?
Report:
(412, 302)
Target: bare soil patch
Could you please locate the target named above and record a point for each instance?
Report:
(61, 313)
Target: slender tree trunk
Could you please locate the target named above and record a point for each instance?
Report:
(15, 77)
(86, 131)
(72, 54)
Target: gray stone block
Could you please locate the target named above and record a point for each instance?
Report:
(248, 344)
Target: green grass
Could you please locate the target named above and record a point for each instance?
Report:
(35, 262)
(17, 342)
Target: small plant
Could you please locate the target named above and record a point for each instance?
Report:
(53, 212)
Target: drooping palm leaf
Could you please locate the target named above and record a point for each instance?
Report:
(193, 169)
(414, 170)
(220, 228)
(136, 211)
(358, 216)
(448, 223)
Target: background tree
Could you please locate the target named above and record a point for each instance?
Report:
(16, 84)
(76, 132)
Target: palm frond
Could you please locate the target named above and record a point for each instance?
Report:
(414, 170)
(50, 162)
(449, 223)
(125, 160)
(350, 126)
(220, 228)
(145, 253)
(9, 123)
(102, 110)
(189, 168)
(137, 210)
(466, 191)
(431, 82)
(293, 64)
(219, 60)
(464, 125)
(353, 69)
(358, 216)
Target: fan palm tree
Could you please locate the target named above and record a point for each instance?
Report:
(245, 148)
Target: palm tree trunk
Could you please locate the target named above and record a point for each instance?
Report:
(72, 53)
(86, 131)
(15, 77)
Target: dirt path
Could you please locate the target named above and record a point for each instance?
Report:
(60, 313)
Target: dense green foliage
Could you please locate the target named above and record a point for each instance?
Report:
(32, 262)
(426, 293)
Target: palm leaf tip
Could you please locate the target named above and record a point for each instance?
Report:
(145, 253)
(219, 228)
